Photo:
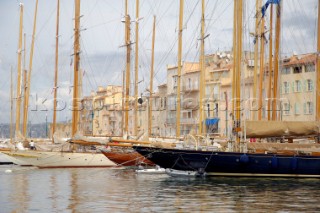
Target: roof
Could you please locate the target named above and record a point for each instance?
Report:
(221, 69)
(163, 85)
(300, 59)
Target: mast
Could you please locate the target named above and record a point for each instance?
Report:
(25, 74)
(202, 79)
(318, 68)
(262, 41)
(179, 69)
(25, 112)
(136, 73)
(270, 62)
(56, 73)
(24, 86)
(24, 51)
(234, 50)
(238, 71)
(128, 45)
(76, 70)
(151, 77)
(256, 50)
(11, 107)
(276, 62)
(122, 101)
(18, 101)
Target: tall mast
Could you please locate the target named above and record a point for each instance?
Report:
(202, 79)
(76, 70)
(151, 77)
(256, 50)
(276, 63)
(270, 61)
(25, 74)
(238, 70)
(318, 68)
(179, 68)
(18, 101)
(234, 52)
(136, 71)
(25, 112)
(56, 73)
(122, 101)
(24, 86)
(262, 41)
(128, 45)
(24, 50)
(11, 107)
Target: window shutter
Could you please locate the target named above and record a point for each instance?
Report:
(292, 87)
(304, 108)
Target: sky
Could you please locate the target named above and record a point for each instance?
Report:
(102, 35)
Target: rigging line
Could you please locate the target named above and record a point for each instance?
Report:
(159, 21)
(304, 14)
(85, 55)
(299, 31)
(315, 27)
(41, 28)
(213, 21)
(86, 17)
(102, 24)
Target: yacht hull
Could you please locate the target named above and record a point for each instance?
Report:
(131, 158)
(233, 163)
(61, 159)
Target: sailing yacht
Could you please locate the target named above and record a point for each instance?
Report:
(78, 156)
(239, 158)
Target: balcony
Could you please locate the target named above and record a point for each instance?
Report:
(188, 121)
(172, 107)
(112, 119)
(190, 104)
(190, 88)
(171, 120)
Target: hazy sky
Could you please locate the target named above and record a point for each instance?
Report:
(103, 33)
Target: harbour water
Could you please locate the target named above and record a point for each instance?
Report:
(28, 189)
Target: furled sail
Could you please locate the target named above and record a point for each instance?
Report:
(261, 129)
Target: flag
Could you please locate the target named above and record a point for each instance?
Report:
(265, 7)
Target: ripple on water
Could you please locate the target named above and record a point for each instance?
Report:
(121, 190)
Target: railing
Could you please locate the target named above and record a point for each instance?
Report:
(172, 107)
(188, 121)
(191, 87)
(171, 120)
(190, 104)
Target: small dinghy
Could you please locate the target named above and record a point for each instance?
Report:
(156, 170)
(181, 173)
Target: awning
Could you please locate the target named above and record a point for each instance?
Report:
(212, 121)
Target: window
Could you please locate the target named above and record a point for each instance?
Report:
(309, 85)
(308, 107)
(310, 68)
(297, 86)
(174, 81)
(189, 81)
(297, 69)
(286, 70)
(286, 108)
(296, 109)
(286, 87)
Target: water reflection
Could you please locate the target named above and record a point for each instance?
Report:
(121, 190)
